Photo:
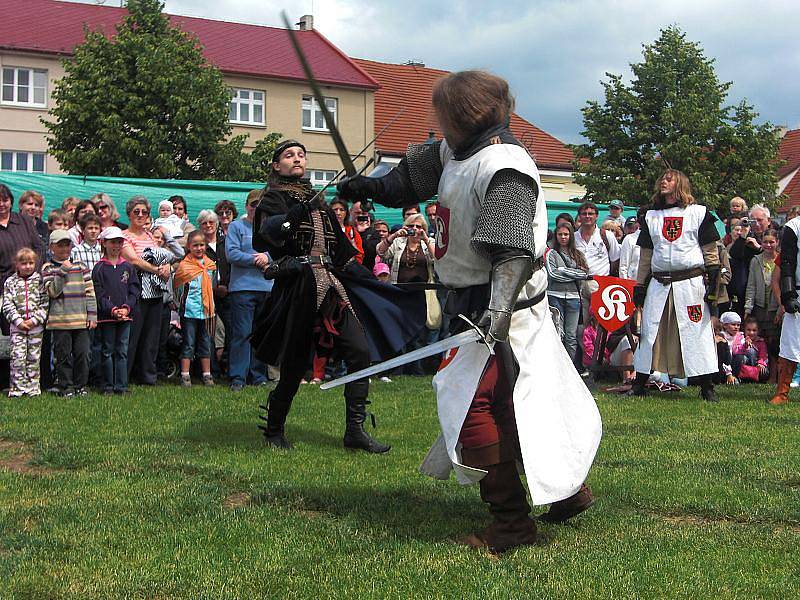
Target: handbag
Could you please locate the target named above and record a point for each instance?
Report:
(433, 319)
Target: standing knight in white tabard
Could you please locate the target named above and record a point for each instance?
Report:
(525, 403)
(789, 353)
(676, 282)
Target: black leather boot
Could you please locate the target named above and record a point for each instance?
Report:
(355, 438)
(638, 388)
(707, 392)
(277, 410)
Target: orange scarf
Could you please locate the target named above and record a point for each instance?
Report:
(188, 270)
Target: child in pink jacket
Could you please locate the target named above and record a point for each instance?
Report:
(750, 358)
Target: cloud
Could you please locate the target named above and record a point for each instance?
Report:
(554, 52)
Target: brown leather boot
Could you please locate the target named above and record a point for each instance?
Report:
(786, 370)
(503, 491)
(567, 508)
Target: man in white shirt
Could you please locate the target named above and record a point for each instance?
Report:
(629, 250)
(602, 253)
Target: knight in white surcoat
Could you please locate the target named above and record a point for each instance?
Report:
(525, 405)
(789, 353)
(676, 283)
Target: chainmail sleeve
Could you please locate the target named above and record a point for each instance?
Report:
(425, 168)
(507, 213)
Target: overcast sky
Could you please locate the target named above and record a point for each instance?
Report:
(554, 52)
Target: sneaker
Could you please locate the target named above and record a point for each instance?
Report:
(385, 379)
(81, 392)
(66, 394)
(186, 382)
(208, 380)
(236, 387)
(108, 391)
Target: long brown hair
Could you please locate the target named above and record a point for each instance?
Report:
(572, 249)
(474, 100)
(683, 190)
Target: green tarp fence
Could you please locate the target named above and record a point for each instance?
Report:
(199, 195)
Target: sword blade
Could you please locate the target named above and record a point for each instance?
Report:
(341, 149)
(471, 335)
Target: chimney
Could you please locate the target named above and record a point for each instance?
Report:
(415, 63)
(782, 130)
(306, 23)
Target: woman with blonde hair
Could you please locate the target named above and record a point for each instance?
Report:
(679, 267)
(409, 251)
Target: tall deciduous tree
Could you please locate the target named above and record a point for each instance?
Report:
(144, 104)
(673, 113)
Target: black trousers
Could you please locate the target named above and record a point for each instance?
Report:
(143, 344)
(71, 352)
(350, 345)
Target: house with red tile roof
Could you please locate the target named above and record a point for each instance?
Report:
(789, 173)
(404, 100)
(269, 91)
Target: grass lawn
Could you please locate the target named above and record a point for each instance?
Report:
(169, 494)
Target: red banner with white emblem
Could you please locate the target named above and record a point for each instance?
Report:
(612, 303)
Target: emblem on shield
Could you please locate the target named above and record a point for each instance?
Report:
(672, 228)
(442, 220)
(612, 303)
(695, 313)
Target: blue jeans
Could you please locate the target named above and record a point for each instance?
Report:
(242, 360)
(114, 339)
(570, 309)
(196, 340)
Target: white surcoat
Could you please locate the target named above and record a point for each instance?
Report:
(790, 328)
(557, 419)
(675, 233)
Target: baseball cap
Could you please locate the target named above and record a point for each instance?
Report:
(730, 317)
(630, 220)
(380, 268)
(617, 203)
(111, 233)
(59, 235)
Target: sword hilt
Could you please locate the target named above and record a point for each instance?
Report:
(489, 345)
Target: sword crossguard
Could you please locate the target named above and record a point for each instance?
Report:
(489, 345)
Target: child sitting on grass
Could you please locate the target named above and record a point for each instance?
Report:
(194, 282)
(117, 288)
(25, 308)
(750, 357)
(73, 312)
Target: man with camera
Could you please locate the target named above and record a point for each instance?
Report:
(742, 251)
(362, 221)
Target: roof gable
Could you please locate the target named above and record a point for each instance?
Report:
(789, 151)
(410, 87)
(54, 27)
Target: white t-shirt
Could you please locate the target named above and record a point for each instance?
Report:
(597, 257)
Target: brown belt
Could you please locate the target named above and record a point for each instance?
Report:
(673, 276)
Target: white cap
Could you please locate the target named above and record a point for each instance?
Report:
(111, 233)
(164, 203)
(729, 318)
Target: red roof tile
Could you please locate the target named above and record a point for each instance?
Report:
(790, 152)
(54, 27)
(410, 87)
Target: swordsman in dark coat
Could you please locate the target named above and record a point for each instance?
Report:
(525, 404)
(320, 292)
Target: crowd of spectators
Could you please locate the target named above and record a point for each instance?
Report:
(92, 301)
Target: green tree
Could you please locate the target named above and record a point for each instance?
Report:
(673, 113)
(145, 103)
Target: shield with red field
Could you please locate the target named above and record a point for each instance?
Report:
(612, 303)
(695, 313)
(672, 228)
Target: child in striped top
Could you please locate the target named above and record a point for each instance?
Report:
(73, 311)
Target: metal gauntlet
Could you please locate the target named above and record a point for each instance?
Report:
(508, 279)
(789, 295)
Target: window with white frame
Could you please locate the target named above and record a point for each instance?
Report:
(321, 177)
(27, 162)
(247, 107)
(24, 87)
(312, 114)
